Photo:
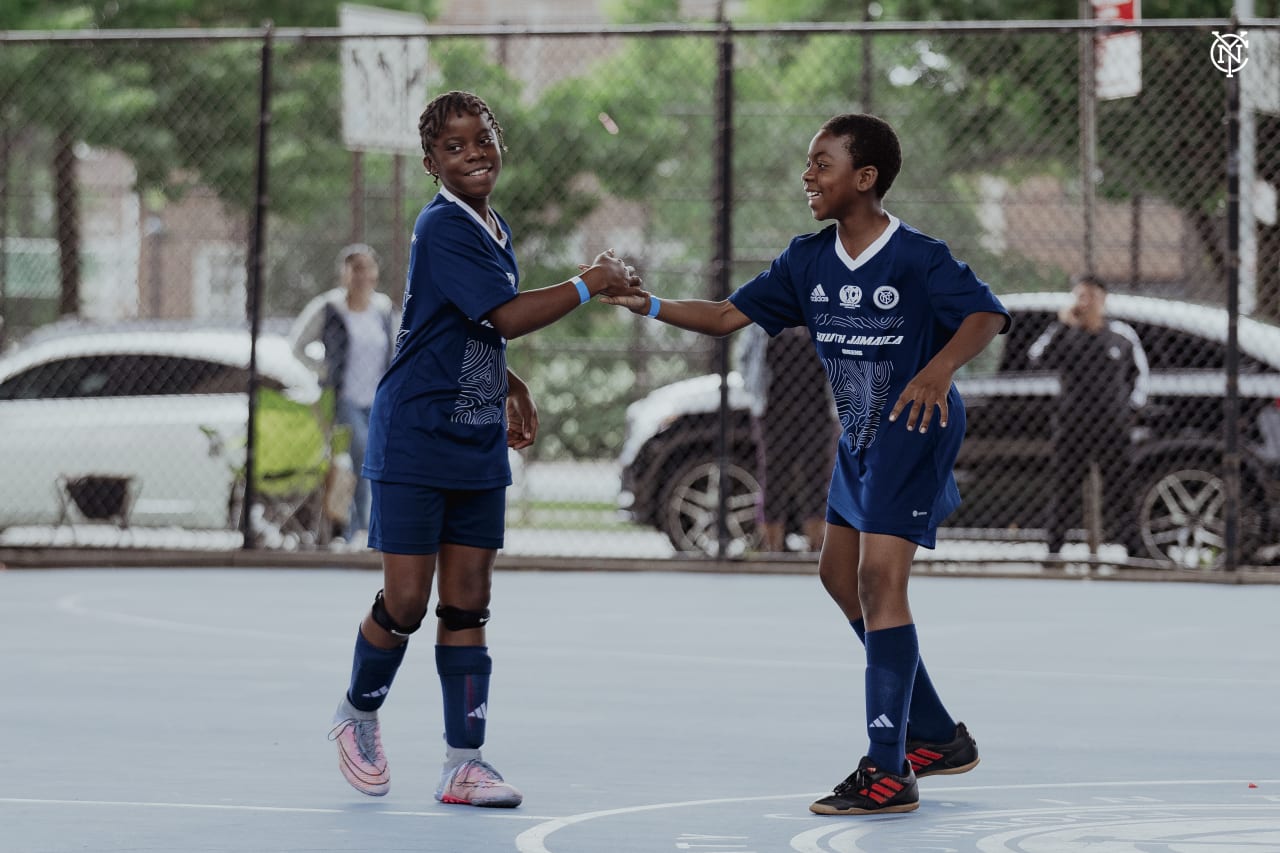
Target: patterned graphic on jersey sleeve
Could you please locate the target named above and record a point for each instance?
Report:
(483, 383)
(860, 389)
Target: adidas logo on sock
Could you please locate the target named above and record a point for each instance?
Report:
(480, 711)
(381, 691)
(882, 722)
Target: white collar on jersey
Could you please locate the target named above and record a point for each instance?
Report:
(494, 230)
(869, 252)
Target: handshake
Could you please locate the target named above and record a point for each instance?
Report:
(622, 286)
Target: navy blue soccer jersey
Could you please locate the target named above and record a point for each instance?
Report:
(439, 416)
(876, 321)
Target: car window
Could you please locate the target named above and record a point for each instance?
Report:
(1170, 349)
(65, 377)
(129, 375)
(1173, 349)
(1027, 326)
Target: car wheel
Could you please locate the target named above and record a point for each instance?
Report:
(1182, 519)
(691, 503)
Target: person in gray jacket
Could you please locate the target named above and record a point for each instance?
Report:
(348, 335)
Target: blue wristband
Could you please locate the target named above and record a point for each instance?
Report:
(584, 295)
(654, 304)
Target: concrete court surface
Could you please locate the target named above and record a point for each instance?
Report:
(187, 710)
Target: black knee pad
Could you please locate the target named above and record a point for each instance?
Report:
(384, 620)
(457, 619)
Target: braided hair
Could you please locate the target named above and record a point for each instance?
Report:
(443, 107)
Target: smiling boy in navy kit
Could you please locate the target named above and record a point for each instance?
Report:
(893, 315)
(443, 417)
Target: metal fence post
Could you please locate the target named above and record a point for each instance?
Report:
(722, 216)
(1231, 418)
(4, 218)
(1088, 133)
(256, 250)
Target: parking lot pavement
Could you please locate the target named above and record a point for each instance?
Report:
(187, 711)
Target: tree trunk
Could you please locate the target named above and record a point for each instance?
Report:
(66, 201)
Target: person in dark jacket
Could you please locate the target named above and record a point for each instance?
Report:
(1102, 372)
(355, 324)
(795, 424)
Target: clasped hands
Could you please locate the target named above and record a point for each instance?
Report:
(620, 279)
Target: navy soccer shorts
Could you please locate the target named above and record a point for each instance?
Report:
(408, 518)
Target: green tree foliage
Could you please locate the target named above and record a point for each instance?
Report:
(185, 112)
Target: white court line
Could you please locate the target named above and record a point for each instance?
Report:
(25, 801)
(31, 801)
(533, 840)
(847, 841)
(810, 841)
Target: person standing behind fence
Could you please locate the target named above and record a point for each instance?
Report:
(893, 316)
(796, 427)
(355, 323)
(1102, 372)
(443, 417)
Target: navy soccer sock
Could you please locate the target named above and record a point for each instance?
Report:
(464, 685)
(929, 719)
(892, 656)
(372, 672)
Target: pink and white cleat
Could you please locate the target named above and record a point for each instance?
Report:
(360, 755)
(475, 782)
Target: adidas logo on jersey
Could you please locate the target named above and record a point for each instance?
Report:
(818, 294)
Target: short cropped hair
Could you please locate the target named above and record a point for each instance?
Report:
(443, 107)
(870, 142)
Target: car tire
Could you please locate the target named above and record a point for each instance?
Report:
(1182, 518)
(690, 505)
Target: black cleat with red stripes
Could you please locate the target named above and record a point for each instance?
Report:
(870, 790)
(959, 755)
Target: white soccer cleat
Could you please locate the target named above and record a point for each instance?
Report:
(360, 755)
(476, 783)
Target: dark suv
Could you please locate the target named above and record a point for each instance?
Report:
(1172, 490)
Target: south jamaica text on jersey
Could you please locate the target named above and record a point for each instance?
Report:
(876, 320)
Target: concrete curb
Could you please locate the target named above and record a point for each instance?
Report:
(118, 558)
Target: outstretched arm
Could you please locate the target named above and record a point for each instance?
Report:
(696, 315)
(533, 309)
(930, 386)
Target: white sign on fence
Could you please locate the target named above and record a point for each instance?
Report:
(1260, 81)
(384, 80)
(1118, 56)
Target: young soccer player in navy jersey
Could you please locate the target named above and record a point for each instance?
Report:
(443, 417)
(893, 315)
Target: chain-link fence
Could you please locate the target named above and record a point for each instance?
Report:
(128, 196)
